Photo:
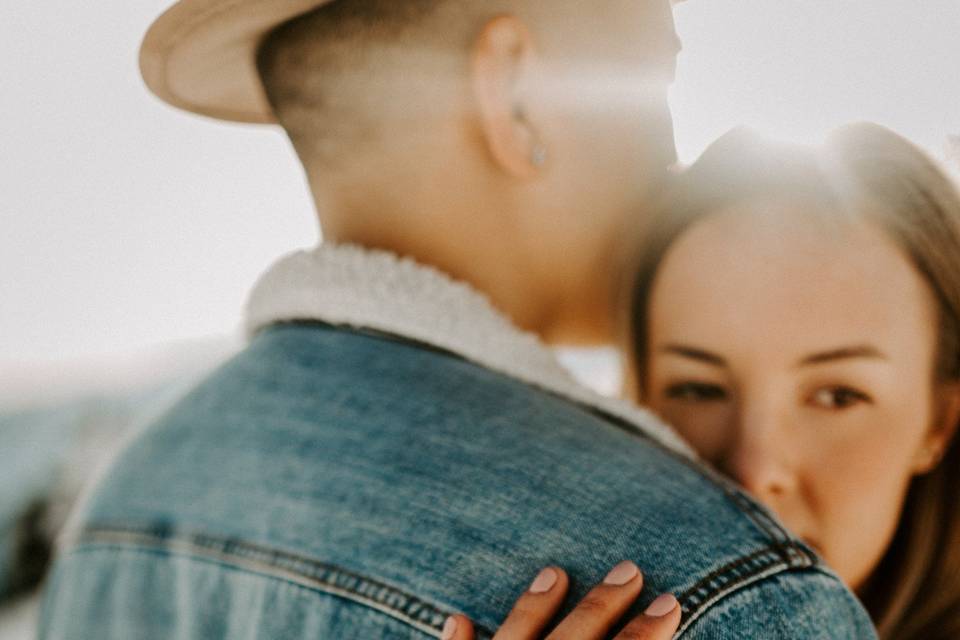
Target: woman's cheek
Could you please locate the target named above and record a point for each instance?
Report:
(855, 485)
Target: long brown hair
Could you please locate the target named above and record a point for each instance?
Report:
(866, 171)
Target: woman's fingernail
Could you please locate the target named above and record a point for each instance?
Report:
(622, 574)
(449, 629)
(544, 582)
(661, 606)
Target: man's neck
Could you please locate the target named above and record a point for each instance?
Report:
(526, 304)
(466, 238)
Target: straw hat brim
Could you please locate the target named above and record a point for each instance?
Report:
(200, 55)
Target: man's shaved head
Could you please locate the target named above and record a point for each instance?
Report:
(337, 74)
(346, 73)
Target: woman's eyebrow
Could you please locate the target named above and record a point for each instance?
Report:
(843, 353)
(694, 353)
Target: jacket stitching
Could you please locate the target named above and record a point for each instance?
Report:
(335, 580)
(740, 573)
(301, 570)
(754, 563)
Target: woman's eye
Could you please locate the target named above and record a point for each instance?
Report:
(835, 398)
(696, 392)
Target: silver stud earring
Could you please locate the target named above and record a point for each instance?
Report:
(538, 156)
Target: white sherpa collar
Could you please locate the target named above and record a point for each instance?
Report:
(366, 288)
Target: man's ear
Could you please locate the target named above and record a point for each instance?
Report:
(499, 62)
(943, 430)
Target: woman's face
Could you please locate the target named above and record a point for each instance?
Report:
(796, 355)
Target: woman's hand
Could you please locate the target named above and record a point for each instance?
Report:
(592, 618)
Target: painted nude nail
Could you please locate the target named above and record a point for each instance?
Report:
(622, 574)
(449, 629)
(661, 606)
(544, 582)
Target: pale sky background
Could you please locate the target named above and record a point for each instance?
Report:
(128, 225)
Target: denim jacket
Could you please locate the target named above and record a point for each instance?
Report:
(389, 450)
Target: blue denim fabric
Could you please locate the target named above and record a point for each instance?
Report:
(46, 454)
(328, 483)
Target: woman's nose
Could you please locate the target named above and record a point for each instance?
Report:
(757, 458)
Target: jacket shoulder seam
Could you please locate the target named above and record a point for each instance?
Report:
(733, 576)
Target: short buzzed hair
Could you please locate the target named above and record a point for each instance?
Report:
(327, 73)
